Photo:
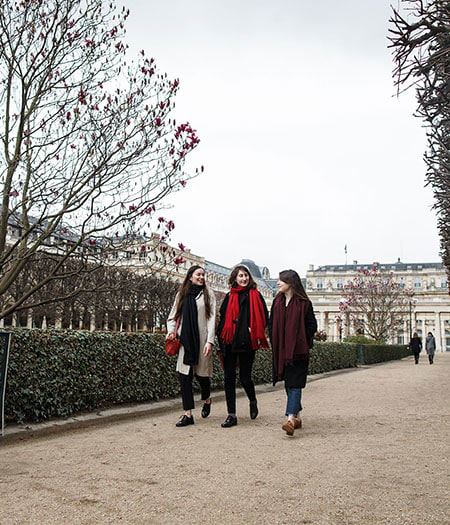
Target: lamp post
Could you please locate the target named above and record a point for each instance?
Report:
(410, 317)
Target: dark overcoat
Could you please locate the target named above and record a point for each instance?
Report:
(295, 375)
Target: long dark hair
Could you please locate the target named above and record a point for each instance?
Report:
(184, 289)
(232, 279)
(291, 277)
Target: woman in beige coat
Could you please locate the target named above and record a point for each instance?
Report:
(195, 307)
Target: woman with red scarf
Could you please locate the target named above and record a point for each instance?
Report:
(241, 331)
(292, 327)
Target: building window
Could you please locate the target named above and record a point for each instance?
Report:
(319, 283)
(400, 338)
(444, 283)
(447, 340)
(128, 255)
(401, 282)
(339, 283)
(417, 283)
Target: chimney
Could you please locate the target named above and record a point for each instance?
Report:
(311, 268)
(355, 263)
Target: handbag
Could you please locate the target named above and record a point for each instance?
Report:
(173, 345)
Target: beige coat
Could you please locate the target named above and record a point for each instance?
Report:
(206, 329)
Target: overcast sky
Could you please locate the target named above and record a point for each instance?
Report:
(305, 145)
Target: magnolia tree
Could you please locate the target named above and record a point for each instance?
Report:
(89, 146)
(375, 304)
(420, 39)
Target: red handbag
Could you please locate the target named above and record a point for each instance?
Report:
(173, 345)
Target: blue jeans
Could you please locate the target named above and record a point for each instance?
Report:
(294, 401)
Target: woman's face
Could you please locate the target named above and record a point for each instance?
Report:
(198, 277)
(242, 278)
(282, 286)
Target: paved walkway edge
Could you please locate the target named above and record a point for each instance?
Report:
(15, 432)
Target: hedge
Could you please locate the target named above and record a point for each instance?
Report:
(61, 372)
(378, 353)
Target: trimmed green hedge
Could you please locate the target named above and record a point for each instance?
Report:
(378, 353)
(60, 372)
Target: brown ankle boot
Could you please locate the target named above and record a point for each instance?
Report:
(288, 427)
(297, 423)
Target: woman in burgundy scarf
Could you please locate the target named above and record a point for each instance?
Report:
(241, 331)
(292, 327)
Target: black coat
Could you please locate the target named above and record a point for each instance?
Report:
(416, 345)
(241, 341)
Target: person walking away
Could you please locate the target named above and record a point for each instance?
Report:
(292, 326)
(416, 346)
(195, 308)
(241, 331)
(430, 347)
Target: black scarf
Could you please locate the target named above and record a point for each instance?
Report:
(190, 338)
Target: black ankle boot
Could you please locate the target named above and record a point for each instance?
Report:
(253, 409)
(230, 421)
(185, 421)
(206, 410)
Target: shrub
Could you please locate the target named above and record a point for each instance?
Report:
(376, 353)
(60, 372)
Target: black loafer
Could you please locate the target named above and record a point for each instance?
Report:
(185, 421)
(206, 410)
(253, 409)
(230, 421)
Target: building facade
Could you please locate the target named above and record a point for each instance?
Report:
(430, 309)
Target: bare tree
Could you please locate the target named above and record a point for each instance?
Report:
(374, 304)
(89, 145)
(420, 38)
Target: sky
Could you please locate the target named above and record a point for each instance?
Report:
(306, 146)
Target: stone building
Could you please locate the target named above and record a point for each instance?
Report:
(430, 310)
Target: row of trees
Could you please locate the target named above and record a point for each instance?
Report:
(123, 300)
(420, 39)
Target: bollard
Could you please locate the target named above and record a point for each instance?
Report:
(361, 360)
(4, 354)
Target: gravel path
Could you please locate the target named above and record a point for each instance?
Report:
(374, 449)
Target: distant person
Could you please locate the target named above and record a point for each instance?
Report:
(195, 307)
(416, 346)
(241, 331)
(430, 347)
(292, 327)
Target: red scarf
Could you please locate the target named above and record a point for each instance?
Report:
(257, 318)
(288, 332)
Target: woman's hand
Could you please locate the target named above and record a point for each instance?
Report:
(170, 336)
(207, 349)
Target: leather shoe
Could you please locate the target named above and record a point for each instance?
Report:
(230, 421)
(185, 421)
(253, 409)
(206, 410)
(297, 423)
(288, 427)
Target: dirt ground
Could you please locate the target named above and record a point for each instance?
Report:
(374, 449)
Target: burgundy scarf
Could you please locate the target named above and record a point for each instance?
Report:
(289, 341)
(257, 318)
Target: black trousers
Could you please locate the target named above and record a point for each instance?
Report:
(416, 357)
(187, 394)
(430, 358)
(245, 376)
